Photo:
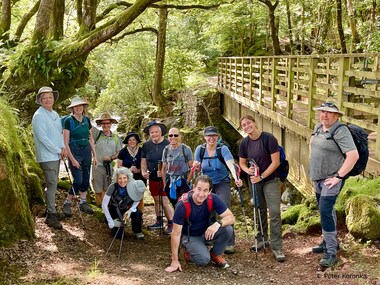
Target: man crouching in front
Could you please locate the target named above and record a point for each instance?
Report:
(192, 228)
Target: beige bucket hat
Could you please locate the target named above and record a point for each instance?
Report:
(104, 117)
(136, 189)
(76, 101)
(329, 107)
(46, 89)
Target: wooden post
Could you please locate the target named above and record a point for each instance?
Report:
(273, 79)
(290, 82)
(312, 93)
(344, 63)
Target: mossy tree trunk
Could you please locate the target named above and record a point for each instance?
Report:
(47, 60)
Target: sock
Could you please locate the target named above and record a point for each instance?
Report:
(67, 202)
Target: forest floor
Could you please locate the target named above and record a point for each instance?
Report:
(78, 256)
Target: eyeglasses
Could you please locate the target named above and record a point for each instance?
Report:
(109, 123)
(173, 135)
(330, 105)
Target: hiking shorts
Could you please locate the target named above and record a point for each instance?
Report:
(154, 188)
(100, 179)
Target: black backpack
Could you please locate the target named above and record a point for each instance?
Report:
(360, 138)
(218, 153)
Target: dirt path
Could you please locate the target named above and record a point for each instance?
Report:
(77, 256)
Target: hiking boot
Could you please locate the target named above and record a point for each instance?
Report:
(279, 255)
(60, 216)
(139, 236)
(67, 209)
(328, 260)
(229, 249)
(187, 255)
(85, 208)
(219, 260)
(169, 229)
(260, 246)
(321, 248)
(52, 221)
(157, 225)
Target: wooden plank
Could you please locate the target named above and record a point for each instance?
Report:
(361, 107)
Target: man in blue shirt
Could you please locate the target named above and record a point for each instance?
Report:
(193, 228)
(48, 141)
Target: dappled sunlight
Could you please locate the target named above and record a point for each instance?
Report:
(75, 231)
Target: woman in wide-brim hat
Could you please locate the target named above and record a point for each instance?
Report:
(130, 155)
(79, 143)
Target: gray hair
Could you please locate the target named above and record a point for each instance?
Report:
(124, 171)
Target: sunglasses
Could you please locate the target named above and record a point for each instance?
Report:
(173, 135)
(330, 105)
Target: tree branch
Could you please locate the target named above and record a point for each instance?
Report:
(147, 29)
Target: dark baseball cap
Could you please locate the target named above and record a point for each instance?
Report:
(210, 130)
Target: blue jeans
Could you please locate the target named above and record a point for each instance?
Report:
(81, 176)
(198, 250)
(326, 199)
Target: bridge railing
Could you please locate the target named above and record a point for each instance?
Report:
(292, 85)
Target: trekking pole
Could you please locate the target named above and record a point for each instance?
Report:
(256, 206)
(107, 165)
(160, 202)
(238, 171)
(75, 194)
(122, 226)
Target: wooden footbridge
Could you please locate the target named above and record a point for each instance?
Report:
(281, 91)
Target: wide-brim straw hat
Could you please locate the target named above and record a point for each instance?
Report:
(46, 89)
(136, 189)
(329, 107)
(104, 117)
(155, 123)
(131, 134)
(76, 101)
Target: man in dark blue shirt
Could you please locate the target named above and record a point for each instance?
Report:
(191, 226)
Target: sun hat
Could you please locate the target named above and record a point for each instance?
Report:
(329, 107)
(210, 130)
(131, 134)
(136, 189)
(76, 101)
(155, 123)
(46, 89)
(104, 117)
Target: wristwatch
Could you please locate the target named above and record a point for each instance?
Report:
(261, 177)
(337, 176)
(220, 223)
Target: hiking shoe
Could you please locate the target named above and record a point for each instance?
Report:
(67, 209)
(187, 255)
(85, 208)
(219, 260)
(139, 236)
(60, 216)
(229, 249)
(157, 225)
(169, 229)
(279, 255)
(52, 221)
(328, 260)
(260, 246)
(321, 248)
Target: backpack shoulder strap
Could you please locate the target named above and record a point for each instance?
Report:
(183, 152)
(210, 203)
(219, 153)
(266, 142)
(202, 151)
(186, 203)
(100, 133)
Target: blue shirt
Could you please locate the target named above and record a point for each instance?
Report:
(199, 215)
(48, 138)
(213, 167)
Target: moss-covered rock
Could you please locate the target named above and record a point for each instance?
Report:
(363, 217)
(19, 179)
(290, 216)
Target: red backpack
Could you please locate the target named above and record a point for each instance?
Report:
(186, 203)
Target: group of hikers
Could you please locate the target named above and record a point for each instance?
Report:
(192, 192)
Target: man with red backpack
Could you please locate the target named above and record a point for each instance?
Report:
(192, 228)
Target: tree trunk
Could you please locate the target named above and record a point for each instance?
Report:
(56, 21)
(272, 23)
(352, 18)
(5, 24)
(290, 30)
(157, 98)
(340, 26)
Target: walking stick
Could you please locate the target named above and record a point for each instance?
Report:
(121, 241)
(160, 202)
(75, 194)
(238, 171)
(256, 205)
